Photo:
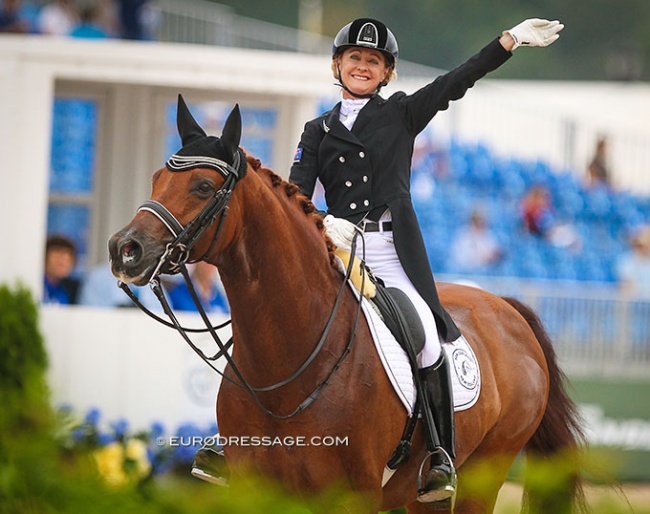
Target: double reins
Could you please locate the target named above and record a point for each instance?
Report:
(174, 261)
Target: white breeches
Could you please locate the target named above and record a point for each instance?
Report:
(382, 259)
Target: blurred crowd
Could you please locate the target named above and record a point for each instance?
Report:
(63, 284)
(125, 19)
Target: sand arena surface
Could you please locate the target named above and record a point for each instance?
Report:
(632, 498)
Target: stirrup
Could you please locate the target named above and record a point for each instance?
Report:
(210, 465)
(430, 493)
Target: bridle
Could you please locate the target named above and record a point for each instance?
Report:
(174, 261)
(177, 252)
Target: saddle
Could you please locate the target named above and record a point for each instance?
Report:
(393, 305)
(400, 316)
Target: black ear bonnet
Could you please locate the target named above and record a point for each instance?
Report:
(199, 150)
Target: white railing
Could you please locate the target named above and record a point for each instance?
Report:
(207, 23)
(596, 329)
(201, 22)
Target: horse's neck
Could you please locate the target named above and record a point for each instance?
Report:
(280, 285)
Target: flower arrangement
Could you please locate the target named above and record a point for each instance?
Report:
(123, 457)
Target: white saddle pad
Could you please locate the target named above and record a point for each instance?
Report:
(463, 365)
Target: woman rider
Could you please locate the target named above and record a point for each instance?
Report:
(361, 152)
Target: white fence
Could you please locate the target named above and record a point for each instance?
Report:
(128, 366)
(597, 330)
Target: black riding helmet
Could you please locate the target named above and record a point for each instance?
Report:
(367, 33)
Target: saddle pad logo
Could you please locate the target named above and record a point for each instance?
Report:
(465, 368)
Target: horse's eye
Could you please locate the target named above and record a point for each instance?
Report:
(205, 187)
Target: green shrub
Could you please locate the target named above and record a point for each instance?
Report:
(23, 360)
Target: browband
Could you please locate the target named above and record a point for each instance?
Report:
(188, 162)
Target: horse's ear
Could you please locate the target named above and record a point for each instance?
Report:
(231, 134)
(188, 128)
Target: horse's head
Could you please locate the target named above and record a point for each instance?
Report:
(184, 216)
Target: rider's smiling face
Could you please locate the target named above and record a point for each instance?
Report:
(362, 70)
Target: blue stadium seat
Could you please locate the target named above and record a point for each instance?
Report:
(477, 179)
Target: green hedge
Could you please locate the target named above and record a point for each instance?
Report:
(23, 360)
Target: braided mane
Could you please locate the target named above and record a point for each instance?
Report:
(292, 191)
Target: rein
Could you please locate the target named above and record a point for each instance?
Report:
(175, 258)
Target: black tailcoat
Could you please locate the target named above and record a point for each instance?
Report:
(370, 166)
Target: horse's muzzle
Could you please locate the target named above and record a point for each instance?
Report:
(133, 257)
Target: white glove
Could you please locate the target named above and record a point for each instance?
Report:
(340, 231)
(535, 32)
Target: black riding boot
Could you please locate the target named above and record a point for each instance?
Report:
(210, 464)
(440, 481)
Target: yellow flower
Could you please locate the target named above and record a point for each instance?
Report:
(136, 452)
(110, 463)
(118, 463)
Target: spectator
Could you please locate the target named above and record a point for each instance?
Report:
(131, 18)
(99, 289)
(598, 170)
(537, 212)
(88, 28)
(633, 267)
(10, 20)
(539, 219)
(106, 17)
(60, 259)
(58, 18)
(475, 249)
(209, 289)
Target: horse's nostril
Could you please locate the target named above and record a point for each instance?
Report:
(131, 252)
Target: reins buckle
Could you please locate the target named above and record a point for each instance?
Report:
(166, 258)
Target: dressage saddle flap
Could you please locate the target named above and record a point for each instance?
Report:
(393, 303)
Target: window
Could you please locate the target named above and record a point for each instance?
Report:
(258, 127)
(72, 171)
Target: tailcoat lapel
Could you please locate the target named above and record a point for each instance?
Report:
(333, 127)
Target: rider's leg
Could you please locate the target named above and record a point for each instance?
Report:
(440, 481)
(382, 259)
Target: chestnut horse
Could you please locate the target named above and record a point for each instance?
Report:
(303, 363)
